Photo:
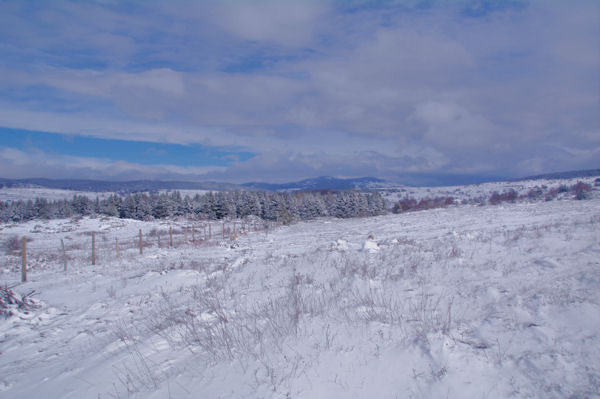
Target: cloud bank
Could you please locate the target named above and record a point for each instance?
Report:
(386, 89)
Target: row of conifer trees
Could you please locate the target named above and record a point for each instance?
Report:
(209, 206)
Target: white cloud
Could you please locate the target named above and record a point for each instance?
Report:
(96, 83)
(35, 163)
(14, 157)
(286, 23)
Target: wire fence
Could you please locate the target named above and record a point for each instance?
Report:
(96, 247)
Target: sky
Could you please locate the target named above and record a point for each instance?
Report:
(412, 91)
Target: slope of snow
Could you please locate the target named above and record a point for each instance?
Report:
(477, 191)
(51, 194)
(469, 302)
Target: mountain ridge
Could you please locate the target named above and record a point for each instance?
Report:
(319, 183)
(311, 184)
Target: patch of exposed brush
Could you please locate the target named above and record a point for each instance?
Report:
(12, 303)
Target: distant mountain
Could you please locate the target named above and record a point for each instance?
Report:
(564, 175)
(320, 183)
(117, 186)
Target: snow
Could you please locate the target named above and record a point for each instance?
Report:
(480, 191)
(371, 246)
(51, 194)
(467, 301)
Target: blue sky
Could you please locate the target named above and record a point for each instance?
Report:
(141, 152)
(283, 90)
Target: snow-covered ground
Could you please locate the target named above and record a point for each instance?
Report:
(477, 191)
(51, 194)
(463, 302)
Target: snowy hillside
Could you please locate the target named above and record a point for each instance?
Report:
(462, 302)
(481, 192)
(51, 194)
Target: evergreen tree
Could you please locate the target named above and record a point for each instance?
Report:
(163, 207)
(41, 208)
(249, 205)
(209, 206)
(224, 207)
(81, 205)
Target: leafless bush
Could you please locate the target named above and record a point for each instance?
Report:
(411, 204)
(11, 301)
(581, 190)
(507, 196)
(374, 306)
(201, 324)
(430, 313)
(535, 193)
(454, 252)
(355, 266)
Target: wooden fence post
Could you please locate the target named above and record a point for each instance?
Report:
(186, 234)
(24, 259)
(233, 228)
(158, 236)
(171, 236)
(193, 236)
(93, 248)
(209, 231)
(117, 247)
(141, 243)
(64, 253)
(223, 230)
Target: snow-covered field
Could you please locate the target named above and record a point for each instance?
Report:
(477, 191)
(463, 302)
(51, 194)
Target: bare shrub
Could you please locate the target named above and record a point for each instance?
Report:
(374, 306)
(11, 301)
(411, 204)
(551, 194)
(535, 193)
(507, 196)
(404, 205)
(430, 313)
(355, 267)
(581, 190)
(454, 252)
(563, 188)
